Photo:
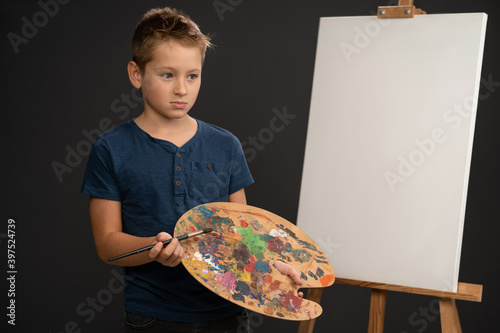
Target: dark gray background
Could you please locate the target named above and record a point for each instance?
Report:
(66, 79)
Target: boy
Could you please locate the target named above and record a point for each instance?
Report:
(144, 174)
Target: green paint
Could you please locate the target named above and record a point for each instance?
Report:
(275, 304)
(255, 244)
(266, 237)
(219, 222)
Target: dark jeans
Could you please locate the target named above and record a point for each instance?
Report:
(237, 323)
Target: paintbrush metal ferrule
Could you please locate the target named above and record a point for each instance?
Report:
(146, 248)
(196, 233)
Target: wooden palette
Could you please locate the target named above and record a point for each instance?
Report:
(236, 260)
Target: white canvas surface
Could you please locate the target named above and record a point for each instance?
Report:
(389, 145)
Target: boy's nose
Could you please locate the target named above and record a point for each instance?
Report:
(180, 89)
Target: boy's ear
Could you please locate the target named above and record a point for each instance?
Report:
(134, 74)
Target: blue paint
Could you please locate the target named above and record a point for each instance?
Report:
(205, 211)
(262, 266)
(301, 255)
(243, 288)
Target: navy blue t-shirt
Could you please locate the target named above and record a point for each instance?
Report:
(157, 182)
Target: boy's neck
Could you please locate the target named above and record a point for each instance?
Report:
(176, 131)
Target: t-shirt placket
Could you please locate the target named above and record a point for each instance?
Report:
(179, 181)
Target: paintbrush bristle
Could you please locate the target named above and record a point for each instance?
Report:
(207, 230)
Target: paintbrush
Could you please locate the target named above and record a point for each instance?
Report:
(185, 236)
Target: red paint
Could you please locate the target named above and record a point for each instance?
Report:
(276, 245)
(192, 229)
(251, 265)
(291, 301)
(243, 223)
(195, 238)
(268, 278)
(275, 285)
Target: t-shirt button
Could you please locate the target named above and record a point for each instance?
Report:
(178, 154)
(178, 168)
(209, 166)
(178, 183)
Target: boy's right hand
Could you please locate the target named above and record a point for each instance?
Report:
(171, 255)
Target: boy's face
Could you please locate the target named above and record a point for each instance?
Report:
(171, 80)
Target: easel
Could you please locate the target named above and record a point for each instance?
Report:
(450, 322)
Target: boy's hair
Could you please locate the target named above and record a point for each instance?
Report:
(160, 25)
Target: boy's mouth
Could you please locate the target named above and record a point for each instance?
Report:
(179, 104)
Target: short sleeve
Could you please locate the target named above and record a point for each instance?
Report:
(100, 180)
(240, 173)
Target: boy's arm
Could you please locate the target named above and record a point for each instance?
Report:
(111, 241)
(238, 197)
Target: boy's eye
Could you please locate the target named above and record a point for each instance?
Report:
(167, 75)
(192, 76)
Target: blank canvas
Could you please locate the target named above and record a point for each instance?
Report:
(389, 145)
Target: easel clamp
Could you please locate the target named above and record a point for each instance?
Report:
(405, 9)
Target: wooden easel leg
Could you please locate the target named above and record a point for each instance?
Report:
(450, 322)
(377, 311)
(308, 325)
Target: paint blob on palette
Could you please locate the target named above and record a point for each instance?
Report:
(237, 259)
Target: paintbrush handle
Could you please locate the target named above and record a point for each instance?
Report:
(146, 248)
(165, 243)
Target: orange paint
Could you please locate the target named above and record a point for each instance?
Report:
(268, 278)
(327, 279)
(268, 311)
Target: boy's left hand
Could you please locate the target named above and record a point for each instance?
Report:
(286, 269)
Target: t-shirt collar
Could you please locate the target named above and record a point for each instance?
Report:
(187, 147)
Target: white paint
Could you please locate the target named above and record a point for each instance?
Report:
(209, 261)
(279, 233)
